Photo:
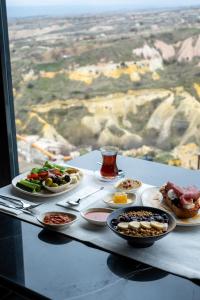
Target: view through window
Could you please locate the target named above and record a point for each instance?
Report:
(118, 72)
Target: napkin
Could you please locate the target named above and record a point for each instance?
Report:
(84, 203)
(10, 210)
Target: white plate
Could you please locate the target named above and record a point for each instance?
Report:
(104, 179)
(132, 198)
(56, 226)
(43, 193)
(152, 197)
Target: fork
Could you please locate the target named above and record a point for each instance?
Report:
(24, 210)
(19, 202)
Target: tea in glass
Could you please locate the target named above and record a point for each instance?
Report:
(109, 165)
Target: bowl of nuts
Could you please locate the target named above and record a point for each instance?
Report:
(141, 226)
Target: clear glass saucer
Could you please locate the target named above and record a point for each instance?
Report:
(105, 179)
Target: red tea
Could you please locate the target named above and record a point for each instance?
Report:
(109, 164)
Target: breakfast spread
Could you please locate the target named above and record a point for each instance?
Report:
(128, 184)
(141, 223)
(184, 202)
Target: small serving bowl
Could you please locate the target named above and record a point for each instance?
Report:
(57, 226)
(109, 201)
(128, 190)
(57, 189)
(141, 241)
(101, 211)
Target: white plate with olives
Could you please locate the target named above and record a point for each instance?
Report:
(58, 186)
(72, 184)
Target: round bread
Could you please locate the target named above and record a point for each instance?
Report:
(182, 213)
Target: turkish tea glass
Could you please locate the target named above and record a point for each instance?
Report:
(109, 162)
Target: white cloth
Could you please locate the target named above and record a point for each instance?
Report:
(177, 253)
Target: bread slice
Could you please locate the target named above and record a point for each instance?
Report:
(182, 213)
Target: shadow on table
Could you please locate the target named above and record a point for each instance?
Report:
(133, 270)
(54, 238)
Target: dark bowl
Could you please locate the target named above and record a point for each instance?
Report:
(141, 241)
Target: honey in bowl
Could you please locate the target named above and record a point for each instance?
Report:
(120, 198)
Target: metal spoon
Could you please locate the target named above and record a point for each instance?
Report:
(76, 202)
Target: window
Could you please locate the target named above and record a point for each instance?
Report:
(116, 72)
(8, 157)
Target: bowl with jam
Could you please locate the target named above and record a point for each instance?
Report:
(57, 219)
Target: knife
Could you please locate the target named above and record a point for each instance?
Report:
(17, 208)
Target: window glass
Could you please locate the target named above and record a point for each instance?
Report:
(93, 73)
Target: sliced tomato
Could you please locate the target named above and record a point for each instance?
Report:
(56, 172)
(33, 176)
(43, 174)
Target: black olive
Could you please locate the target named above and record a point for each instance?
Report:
(67, 178)
(56, 180)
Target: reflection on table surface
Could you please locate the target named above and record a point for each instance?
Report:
(57, 267)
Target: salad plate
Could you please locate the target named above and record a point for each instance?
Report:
(31, 184)
(153, 198)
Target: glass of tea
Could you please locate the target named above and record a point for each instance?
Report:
(109, 165)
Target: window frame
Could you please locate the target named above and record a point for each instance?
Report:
(8, 151)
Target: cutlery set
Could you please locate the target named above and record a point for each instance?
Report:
(24, 207)
(18, 204)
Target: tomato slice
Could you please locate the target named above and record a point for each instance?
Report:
(33, 176)
(56, 172)
(43, 174)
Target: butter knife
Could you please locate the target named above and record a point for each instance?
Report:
(17, 208)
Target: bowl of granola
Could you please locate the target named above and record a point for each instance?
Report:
(141, 226)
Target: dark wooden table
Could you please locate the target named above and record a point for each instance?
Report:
(53, 266)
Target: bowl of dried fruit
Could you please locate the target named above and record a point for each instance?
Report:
(141, 226)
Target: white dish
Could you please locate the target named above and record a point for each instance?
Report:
(58, 189)
(130, 190)
(132, 198)
(56, 226)
(152, 197)
(93, 210)
(44, 193)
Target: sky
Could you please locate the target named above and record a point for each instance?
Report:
(134, 3)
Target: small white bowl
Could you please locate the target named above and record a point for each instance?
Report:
(129, 190)
(58, 189)
(96, 210)
(109, 201)
(56, 226)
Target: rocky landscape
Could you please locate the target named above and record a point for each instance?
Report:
(130, 80)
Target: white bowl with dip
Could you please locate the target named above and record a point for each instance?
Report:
(97, 216)
(128, 185)
(70, 219)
